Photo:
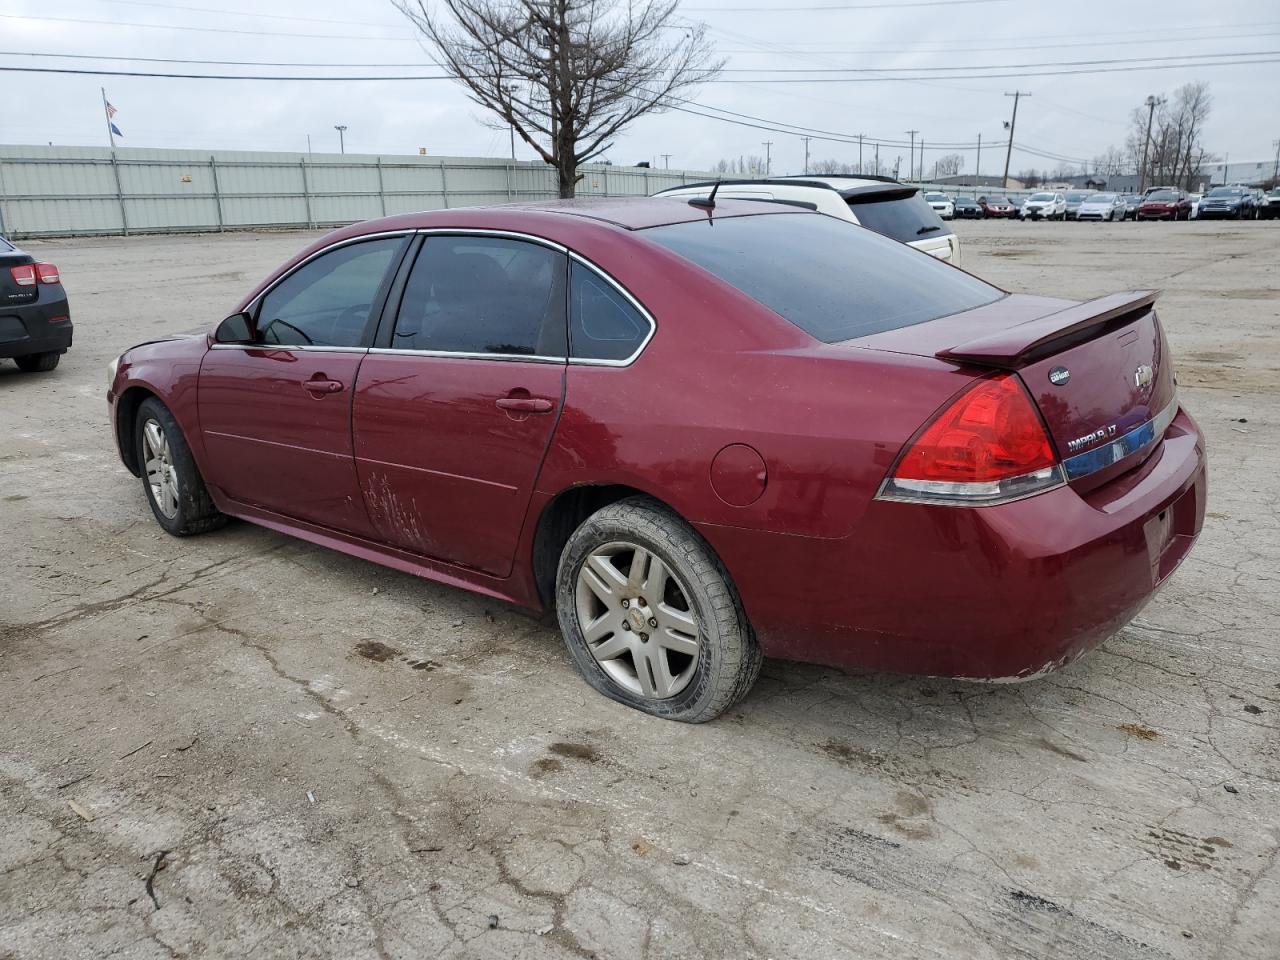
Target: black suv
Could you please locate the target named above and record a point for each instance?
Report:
(35, 321)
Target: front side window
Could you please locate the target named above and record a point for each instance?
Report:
(472, 294)
(327, 301)
(836, 282)
(603, 324)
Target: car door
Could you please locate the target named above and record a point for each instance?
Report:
(456, 404)
(275, 413)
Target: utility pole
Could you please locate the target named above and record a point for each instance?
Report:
(342, 140)
(921, 160)
(1275, 171)
(768, 145)
(860, 153)
(878, 160)
(1152, 102)
(977, 167)
(1008, 154)
(806, 153)
(666, 160)
(308, 144)
(911, 162)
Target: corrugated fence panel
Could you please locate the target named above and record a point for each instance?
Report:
(46, 191)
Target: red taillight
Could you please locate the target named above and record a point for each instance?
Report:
(24, 276)
(47, 273)
(989, 445)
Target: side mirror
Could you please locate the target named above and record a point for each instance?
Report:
(237, 328)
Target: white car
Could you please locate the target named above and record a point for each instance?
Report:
(1101, 206)
(942, 205)
(1044, 206)
(1195, 199)
(894, 209)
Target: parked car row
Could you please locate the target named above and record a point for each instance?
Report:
(1155, 203)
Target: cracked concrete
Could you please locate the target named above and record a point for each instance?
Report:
(301, 755)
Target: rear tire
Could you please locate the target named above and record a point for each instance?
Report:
(38, 362)
(170, 478)
(668, 637)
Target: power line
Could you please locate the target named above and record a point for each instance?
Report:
(1007, 66)
(893, 4)
(207, 76)
(170, 26)
(221, 63)
(998, 76)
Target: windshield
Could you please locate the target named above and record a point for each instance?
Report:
(1076, 197)
(838, 282)
(906, 218)
(1102, 198)
(936, 197)
(1040, 197)
(968, 200)
(1159, 195)
(1226, 192)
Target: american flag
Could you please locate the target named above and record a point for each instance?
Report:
(111, 111)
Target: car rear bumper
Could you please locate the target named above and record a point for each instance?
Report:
(41, 327)
(993, 593)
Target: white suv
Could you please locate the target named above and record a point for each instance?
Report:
(886, 206)
(1044, 206)
(943, 205)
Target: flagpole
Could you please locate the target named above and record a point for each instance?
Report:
(106, 112)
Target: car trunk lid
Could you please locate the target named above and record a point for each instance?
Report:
(11, 293)
(1099, 371)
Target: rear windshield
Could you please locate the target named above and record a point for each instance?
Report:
(905, 218)
(5, 245)
(836, 281)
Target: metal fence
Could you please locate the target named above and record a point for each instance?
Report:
(57, 191)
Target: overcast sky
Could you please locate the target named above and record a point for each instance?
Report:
(1068, 115)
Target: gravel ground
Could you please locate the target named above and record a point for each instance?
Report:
(244, 745)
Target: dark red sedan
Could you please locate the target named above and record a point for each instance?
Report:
(702, 435)
(1165, 205)
(997, 208)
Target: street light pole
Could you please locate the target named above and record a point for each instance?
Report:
(342, 140)
(911, 161)
(1152, 102)
(767, 144)
(1008, 154)
(806, 153)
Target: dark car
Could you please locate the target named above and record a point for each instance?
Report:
(698, 452)
(1131, 205)
(998, 207)
(967, 208)
(1226, 203)
(1270, 208)
(1165, 204)
(35, 321)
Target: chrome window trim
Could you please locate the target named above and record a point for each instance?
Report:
(465, 355)
(1139, 438)
(314, 348)
(534, 358)
(626, 294)
(253, 304)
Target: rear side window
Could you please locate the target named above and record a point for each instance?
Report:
(830, 278)
(5, 245)
(470, 294)
(327, 301)
(603, 324)
(904, 219)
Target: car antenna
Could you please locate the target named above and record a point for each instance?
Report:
(707, 202)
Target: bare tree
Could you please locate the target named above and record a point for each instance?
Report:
(566, 75)
(747, 166)
(1174, 147)
(832, 166)
(949, 165)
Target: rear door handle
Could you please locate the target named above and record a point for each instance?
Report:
(525, 404)
(319, 386)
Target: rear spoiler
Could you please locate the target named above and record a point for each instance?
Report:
(1024, 342)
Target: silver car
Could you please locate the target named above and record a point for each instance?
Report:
(1101, 206)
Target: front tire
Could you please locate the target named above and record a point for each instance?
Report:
(38, 362)
(650, 616)
(170, 478)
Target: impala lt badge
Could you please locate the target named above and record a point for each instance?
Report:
(1143, 376)
(1102, 433)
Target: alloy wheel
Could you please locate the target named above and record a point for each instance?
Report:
(636, 618)
(162, 475)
